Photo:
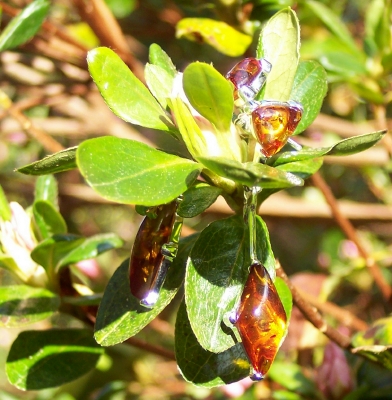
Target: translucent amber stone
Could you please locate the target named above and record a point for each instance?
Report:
(248, 76)
(261, 320)
(147, 257)
(273, 123)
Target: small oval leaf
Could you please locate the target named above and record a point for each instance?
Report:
(215, 101)
(22, 305)
(131, 172)
(125, 95)
(62, 161)
(202, 367)
(43, 359)
(217, 34)
(25, 25)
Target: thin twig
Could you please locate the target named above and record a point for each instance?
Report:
(345, 317)
(351, 234)
(312, 315)
(98, 15)
(152, 348)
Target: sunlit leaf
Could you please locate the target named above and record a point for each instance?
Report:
(25, 25)
(62, 161)
(43, 359)
(127, 171)
(217, 34)
(125, 95)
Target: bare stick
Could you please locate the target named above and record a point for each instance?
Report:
(312, 315)
(349, 231)
(152, 348)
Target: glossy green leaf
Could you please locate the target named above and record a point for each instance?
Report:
(197, 199)
(127, 171)
(202, 367)
(125, 95)
(375, 343)
(217, 271)
(346, 65)
(159, 57)
(22, 305)
(309, 89)
(344, 147)
(333, 23)
(5, 210)
(279, 44)
(209, 93)
(47, 219)
(120, 315)
(46, 189)
(121, 8)
(250, 174)
(285, 296)
(62, 161)
(159, 82)
(61, 250)
(303, 168)
(43, 359)
(25, 25)
(217, 34)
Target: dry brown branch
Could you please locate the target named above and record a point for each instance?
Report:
(97, 14)
(345, 317)
(312, 315)
(151, 348)
(351, 234)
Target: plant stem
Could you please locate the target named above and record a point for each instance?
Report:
(250, 219)
(349, 231)
(312, 315)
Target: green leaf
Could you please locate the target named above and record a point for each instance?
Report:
(25, 25)
(5, 210)
(285, 296)
(197, 199)
(217, 271)
(279, 44)
(344, 147)
(64, 160)
(160, 58)
(44, 359)
(125, 95)
(159, 82)
(120, 315)
(217, 34)
(61, 250)
(46, 189)
(127, 171)
(47, 219)
(309, 89)
(333, 23)
(22, 305)
(346, 65)
(375, 343)
(215, 101)
(202, 367)
(303, 168)
(250, 174)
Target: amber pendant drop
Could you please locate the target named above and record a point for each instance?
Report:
(147, 267)
(261, 320)
(273, 123)
(248, 77)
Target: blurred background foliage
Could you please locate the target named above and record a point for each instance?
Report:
(50, 95)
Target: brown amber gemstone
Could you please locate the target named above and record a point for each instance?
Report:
(273, 123)
(248, 76)
(147, 257)
(261, 320)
